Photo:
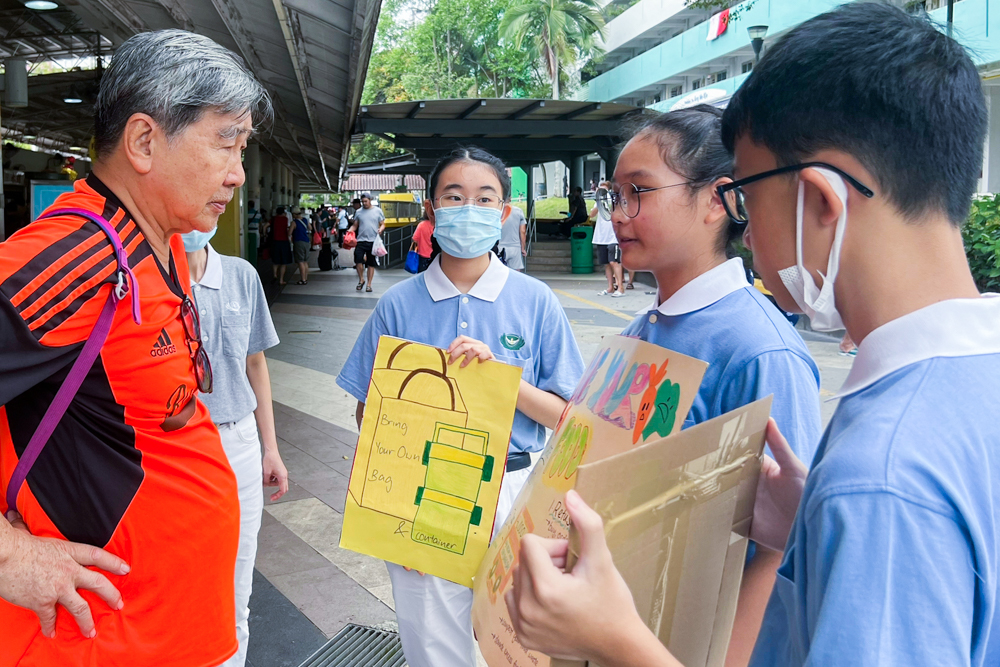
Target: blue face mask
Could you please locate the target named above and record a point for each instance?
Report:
(195, 240)
(467, 231)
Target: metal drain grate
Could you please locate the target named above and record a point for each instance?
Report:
(358, 646)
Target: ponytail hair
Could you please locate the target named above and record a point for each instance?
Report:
(690, 142)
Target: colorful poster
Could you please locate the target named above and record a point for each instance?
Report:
(430, 459)
(633, 392)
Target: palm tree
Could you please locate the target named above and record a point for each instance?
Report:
(560, 30)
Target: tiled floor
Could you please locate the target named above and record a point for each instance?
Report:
(307, 588)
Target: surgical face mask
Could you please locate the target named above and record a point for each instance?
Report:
(467, 231)
(818, 302)
(195, 240)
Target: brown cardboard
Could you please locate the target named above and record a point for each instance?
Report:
(632, 392)
(677, 513)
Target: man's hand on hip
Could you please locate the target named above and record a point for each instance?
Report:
(41, 573)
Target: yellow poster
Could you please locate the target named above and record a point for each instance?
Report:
(426, 477)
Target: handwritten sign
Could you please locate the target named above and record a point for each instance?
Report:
(430, 459)
(632, 392)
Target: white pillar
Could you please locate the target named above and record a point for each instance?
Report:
(267, 178)
(990, 182)
(251, 165)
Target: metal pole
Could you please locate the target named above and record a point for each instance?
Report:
(951, 16)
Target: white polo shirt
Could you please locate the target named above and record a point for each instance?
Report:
(235, 323)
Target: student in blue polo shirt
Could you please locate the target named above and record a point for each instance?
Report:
(470, 303)
(858, 144)
(670, 221)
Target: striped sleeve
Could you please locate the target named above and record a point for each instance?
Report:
(52, 271)
(51, 278)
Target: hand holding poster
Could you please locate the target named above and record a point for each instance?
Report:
(632, 392)
(430, 459)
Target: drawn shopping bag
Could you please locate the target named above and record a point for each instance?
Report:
(457, 466)
(408, 406)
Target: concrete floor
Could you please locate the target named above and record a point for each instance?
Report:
(306, 587)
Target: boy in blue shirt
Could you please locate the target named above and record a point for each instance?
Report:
(858, 141)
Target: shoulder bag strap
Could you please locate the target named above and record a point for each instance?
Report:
(83, 364)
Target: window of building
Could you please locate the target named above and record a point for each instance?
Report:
(675, 91)
(696, 84)
(747, 66)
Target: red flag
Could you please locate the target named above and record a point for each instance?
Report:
(718, 24)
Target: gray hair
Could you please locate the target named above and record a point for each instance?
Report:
(174, 76)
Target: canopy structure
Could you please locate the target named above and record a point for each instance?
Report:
(520, 132)
(312, 55)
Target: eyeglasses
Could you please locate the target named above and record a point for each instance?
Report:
(627, 198)
(487, 201)
(192, 333)
(732, 195)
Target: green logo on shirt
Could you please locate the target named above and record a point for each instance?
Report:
(511, 341)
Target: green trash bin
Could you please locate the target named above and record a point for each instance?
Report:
(582, 249)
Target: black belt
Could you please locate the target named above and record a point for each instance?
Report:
(518, 461)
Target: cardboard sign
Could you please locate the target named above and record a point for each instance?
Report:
(677, 514)
(430, 459)
(632, 392)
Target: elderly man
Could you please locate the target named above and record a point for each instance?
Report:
(135, 467)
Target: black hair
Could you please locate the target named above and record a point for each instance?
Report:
(280, 210)
(886, 87)
(470, 154)
(690, 142)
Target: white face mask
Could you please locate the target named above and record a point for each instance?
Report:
(817, 302)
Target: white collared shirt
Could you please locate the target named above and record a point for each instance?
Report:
(235, 323)
(704, 290)
(487, 288)
(952, 328)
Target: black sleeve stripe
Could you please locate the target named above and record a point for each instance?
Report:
(52, 254)
(107, 268)
(67, 310)
(42, 294)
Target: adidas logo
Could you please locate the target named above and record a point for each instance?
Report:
(163, 345)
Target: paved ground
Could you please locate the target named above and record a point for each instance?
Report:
(306, 588)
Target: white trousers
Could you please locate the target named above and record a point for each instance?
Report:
(435, 615)
(242, 446)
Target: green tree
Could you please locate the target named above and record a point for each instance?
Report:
(560, 31)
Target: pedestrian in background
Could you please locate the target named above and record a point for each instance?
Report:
(281, 249)
(301, 242)
(236, 329)
(514, 238)
(369, 222)
(609, 253)
(423, 244)
(343, 222)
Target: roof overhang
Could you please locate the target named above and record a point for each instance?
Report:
(520, 132)
(311, 55)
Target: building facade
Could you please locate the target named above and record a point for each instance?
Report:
(658, 54)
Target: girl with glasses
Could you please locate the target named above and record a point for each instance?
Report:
(468, 302)
(670, 221)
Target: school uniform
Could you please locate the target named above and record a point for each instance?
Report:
(521, 321)
(751, 349)
(893, 555)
